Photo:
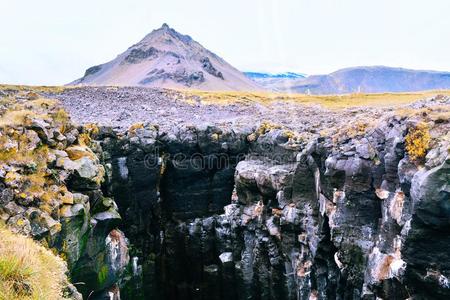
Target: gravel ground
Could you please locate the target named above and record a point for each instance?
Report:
(122, 107)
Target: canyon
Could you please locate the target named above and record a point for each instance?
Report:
(330, 206)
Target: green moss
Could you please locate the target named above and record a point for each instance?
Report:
(102, 275)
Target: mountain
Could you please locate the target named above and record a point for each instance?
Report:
(374, 79)
(166, 58)
(274, 81)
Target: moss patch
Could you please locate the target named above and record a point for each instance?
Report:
(102, 275)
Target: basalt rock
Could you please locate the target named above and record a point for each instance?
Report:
(137, 55)
(352, 218)
(427, 238)
(208, 67)
(238, 212)
(181, 76)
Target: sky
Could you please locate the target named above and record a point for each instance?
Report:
(52, 42)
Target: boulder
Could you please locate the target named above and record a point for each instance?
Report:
(87, 173)
(42, 224)
(43, 130)
(19, 224)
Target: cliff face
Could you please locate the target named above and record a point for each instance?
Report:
(238, 212)
(264, 214)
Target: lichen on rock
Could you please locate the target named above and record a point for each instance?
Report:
(49, 177)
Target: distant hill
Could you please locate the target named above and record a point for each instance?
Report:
(258, 75)
(274, 81)
(376, 79)
(166, 58)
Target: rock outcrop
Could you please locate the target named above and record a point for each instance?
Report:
(50, 186)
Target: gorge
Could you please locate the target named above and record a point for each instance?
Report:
(241, 211)
(312, 221)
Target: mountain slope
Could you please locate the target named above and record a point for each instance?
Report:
(377, 79)
(166, 58)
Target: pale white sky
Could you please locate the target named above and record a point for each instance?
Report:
(54, 41)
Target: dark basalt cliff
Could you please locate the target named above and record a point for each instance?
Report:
(255, 212)
(242, 214)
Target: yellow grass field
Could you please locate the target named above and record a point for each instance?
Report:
(328, 101)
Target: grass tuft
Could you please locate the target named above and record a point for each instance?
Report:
(28, 270)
